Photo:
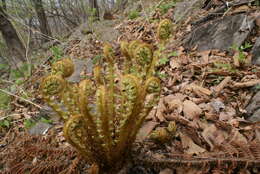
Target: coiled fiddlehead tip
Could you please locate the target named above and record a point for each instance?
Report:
(52, 85)
(131, 85)
(84, 85)
(143, 54)
(164, 29)
(132, 46)
(108, 52)
(74, 132)
(153, 85)
(64, 67)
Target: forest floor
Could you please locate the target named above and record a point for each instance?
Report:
(205, 95)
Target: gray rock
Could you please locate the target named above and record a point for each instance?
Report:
(185, 8)
(217, 105)
(80, 65)
(39, 128)
(47, 112)
(254, 105)
(256, 52)
(103, 30)
(221, 33)
(255, 117)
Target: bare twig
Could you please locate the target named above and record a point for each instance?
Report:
(222, 85)
(16, 96)
(246, 84)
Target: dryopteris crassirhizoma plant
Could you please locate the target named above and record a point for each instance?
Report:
(102, 120)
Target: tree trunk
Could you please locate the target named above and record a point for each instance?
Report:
(13, 42)
(95, 9)
(44, 26)
(120, 5)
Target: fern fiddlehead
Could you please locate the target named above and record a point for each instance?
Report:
(103, 126)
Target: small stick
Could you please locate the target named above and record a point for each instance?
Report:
(246, 84)
(28, 101)
(222, 85)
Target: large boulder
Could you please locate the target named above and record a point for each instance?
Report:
(79, 67)
(221, 33)
(253, 109)
(256, 52)
(185, 8)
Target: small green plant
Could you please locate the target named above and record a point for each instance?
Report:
(3, 67)
(97, 59)
(173, 54)
(257, 87)
(45, 120)
(57, 53)
(161, 75)
(28, 123)
(5, 100)
(23, 71)
(240, 56)
(5, 123)
(163, 61)
(165, 58)
(133, 14)
(224, 66)
(164, 7)
(245, 46)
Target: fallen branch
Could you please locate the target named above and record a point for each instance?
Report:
(222, 85)
(246, 84)
(16, 96)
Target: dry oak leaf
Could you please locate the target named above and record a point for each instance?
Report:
(200, 90)
(189, 146)
(214, 136)
(191, 110)
(146, 130)
(228, 114)
(173, 104)
(174, 63)
(160, 110)
(205, 56)
(237, 137)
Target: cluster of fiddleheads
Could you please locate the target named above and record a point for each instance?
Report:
(102, 118)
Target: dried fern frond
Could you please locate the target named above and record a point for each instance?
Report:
(37, 154)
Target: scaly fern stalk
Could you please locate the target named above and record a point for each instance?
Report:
(124, 50)
(97, 75)
(110, 58)
(102, 121)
